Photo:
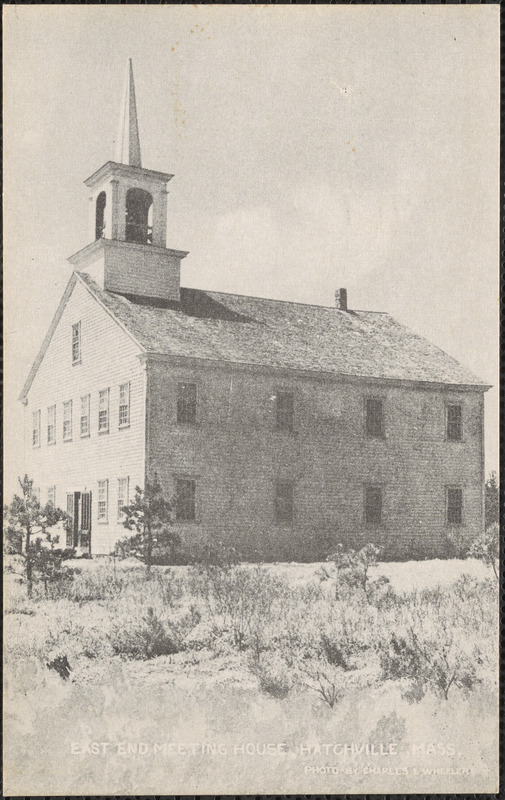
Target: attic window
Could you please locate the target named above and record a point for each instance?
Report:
(76, 343)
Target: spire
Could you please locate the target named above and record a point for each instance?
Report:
(128, 141)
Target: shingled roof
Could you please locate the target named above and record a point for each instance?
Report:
(250, 330)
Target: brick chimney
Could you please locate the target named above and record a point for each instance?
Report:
(341, 299)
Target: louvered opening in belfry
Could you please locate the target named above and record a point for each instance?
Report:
(101, 202)
(139, 216)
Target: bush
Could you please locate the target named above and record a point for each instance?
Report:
(149, 637)
(486, 547)
(273, 673)
(353, 567)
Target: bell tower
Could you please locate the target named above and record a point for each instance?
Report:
(128, 219)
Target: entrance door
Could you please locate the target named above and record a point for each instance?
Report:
(79, 531)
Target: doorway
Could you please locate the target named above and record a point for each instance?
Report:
(79, 530)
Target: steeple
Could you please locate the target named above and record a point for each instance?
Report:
(128, 224)
(128, 140)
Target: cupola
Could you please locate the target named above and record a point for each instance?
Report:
(128, 225)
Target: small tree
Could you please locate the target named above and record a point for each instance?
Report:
(492, 500)
(353, 567)
(26, 522)
(150, 515)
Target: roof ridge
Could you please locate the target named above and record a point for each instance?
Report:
(278, 300)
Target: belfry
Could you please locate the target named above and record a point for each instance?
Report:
(128, 253)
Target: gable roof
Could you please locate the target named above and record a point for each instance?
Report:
(255, 331)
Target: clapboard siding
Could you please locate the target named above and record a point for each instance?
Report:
(109, 358)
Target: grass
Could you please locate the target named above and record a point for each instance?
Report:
(250, 651)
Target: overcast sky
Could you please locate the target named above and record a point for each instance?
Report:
(313, 147)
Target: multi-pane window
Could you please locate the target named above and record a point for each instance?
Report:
(454, 422)
(51, 425)
(103, 501)
(374, 417)
(454, 505)
(36, 428)
(122, 497)
(284, 411)
(373, 505)
(76, 343)
(186, 403)
(84, 422)
(124, 405)
(51, 495)
(284, 502)
(185, 499)
(36, 493)
(103, 410)
(67, 421)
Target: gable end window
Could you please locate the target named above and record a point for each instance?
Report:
(36, 428)
(84, 421)
(185, 499)
(284, 502)
(103, 411)
(454, 422)
(284, 411)
(124, 405)
(374, 418)
(51, 425)
(373, 505)
(103, 501)
(454, 505)
(186, 403)
(76, 343)
(67, 421)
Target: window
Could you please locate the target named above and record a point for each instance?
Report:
(85, 415)
(122, 497)
(51, 425)
(186, 403)
(76, 343)
(67, 421)
(374, 417)
(103, 501)
(36, 493)
(373, 505)
(284, 411)
(284, 502)
(454, 506)
(103, 411)
(124, 405)
(36, 429)
(454, 422)
(185, 506)
(51, 495)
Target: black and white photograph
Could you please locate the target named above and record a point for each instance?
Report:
(251, 479)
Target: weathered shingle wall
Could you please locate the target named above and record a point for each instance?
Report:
(235, 454)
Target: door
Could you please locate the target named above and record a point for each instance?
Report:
(79, 530)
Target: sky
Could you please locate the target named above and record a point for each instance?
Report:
(313, 148)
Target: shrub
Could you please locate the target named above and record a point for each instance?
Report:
(149, 637)
(435, 662)
(353, 567)
(325, 680)
(273, 673)
(486, 547)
